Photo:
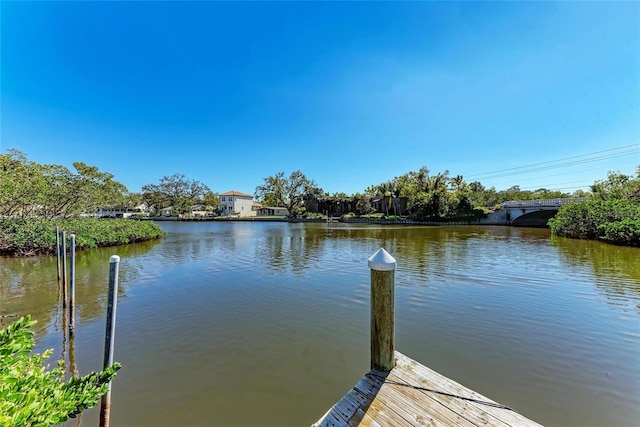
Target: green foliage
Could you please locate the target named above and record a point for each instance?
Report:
(436, 197)
(312, 215)
(624, 232)
(616, 186)
(378, 215)
(31, 189)
(288, 192)
(31, 395)
(363, 204)
(211, 201)
(178, 192)
(613, 215)
(30, 236)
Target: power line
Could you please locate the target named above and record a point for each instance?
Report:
(554, 164)
(564, 165)
(534, 178)
(524, 170)
(556, 187)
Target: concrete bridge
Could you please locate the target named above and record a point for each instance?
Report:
(527, 213)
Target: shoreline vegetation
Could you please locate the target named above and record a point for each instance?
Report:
(615, 221)
(37, 236)
(35, 198)
(611, 215)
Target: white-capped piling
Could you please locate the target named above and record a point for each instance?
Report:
(383, 268)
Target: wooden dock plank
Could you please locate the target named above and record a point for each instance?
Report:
(425, 407)
(381, 410)
(493, 413)
(426, 392)
(414, 395)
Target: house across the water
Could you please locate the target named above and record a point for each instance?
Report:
(237, 203)
(272, 211)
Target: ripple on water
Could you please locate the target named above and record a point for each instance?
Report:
(543, 326)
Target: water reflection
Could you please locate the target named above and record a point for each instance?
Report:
(511, 312)
(30, 286)
(607, 262)
(300, 246)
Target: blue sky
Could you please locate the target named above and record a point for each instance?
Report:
(350, 93)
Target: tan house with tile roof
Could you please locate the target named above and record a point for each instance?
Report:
(237, 203)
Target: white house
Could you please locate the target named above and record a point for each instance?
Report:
(120, 211)
(168, 211)
(271, 211)
(237, 203)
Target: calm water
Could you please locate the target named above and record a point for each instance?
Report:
(267, 324)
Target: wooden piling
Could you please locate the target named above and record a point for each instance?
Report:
(382, 267)
(114, 267)
(400, 392)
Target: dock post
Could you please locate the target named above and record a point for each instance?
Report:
(58, 255)
(112, 301)
(72, 285)
(64, 270)
(383, 268)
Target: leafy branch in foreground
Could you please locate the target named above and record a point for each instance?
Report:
(31, 395)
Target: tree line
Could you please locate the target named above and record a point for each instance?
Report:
(425, 196)
(31, 189)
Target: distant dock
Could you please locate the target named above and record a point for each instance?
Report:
(398, 391)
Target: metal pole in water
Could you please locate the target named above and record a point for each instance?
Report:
(383, 268)
(58, 256)
(72, 285)
(64, 269)
(105, 402)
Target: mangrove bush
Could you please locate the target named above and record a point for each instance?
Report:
(32, 395)
(37, 236)
(612, 215)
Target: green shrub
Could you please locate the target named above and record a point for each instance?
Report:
(394, 217)
(31, 395)
(32, 236)
(613, 220)
(374, 216)
(625, 232)
(313, 215)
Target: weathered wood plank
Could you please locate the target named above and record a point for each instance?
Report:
(414, 395)
(429, 399)
(351, 409)
(422, 409)
(492, 413)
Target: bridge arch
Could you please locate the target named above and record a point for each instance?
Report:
(537, 218)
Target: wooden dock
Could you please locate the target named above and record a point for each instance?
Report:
(398, 391)
(413, 395)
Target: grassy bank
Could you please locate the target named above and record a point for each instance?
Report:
(36, 236)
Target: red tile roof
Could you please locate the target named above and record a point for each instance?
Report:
(236, 193)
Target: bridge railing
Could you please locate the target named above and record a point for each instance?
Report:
(540, 202)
